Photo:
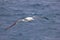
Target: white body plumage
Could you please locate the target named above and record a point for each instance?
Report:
(28, 19)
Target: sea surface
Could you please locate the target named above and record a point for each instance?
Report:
(45, 28)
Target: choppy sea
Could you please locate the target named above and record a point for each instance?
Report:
(47, 28)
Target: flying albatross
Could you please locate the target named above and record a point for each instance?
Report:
(26, 19)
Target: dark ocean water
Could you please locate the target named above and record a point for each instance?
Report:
(47, 28)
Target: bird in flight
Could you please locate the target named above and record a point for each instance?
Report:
(26, 19)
